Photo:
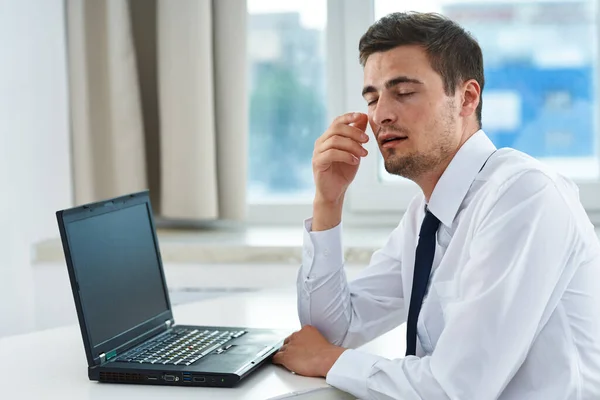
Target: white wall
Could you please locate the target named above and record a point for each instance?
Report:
(34, 144)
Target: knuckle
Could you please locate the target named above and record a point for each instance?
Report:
(327, 154)
(342, 117)
(318, 141)
(337, 129)
(335, 140)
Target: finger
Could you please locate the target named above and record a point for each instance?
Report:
(354, 129)
(361, 122)
(349, 118)
(277, 358)
(291, 337)
(345, 131)
(323, 161)
(342, 143)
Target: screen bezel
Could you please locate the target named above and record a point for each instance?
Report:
(134, 334)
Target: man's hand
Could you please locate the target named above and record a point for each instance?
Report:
(336, 159)
(308, 353)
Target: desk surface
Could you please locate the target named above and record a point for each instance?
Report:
(52, 363)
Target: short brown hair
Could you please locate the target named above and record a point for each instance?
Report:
(452, 52)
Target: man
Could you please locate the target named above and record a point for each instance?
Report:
(495, 267)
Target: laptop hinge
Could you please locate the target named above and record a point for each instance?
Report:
(168, 323)
(106, 357)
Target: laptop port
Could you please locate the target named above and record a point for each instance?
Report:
(199, 379)
(152, 378)
(170, 378)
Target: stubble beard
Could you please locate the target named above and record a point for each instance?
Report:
(416, 164)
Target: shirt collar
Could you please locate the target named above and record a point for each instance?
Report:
(456, 180)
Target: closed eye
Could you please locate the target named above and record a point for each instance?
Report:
(404, 95)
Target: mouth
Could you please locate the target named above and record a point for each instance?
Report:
(392, 141)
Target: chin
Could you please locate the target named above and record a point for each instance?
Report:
(395, 167)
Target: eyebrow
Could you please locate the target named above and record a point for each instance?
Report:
(391, 83)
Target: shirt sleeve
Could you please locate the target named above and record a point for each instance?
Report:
(507, 289)
(348, 314)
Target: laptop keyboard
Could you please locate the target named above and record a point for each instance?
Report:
(180, 346)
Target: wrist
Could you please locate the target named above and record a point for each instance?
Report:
(329, 358)
(326, 214)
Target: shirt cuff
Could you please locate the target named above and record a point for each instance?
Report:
(323, 248)
(351, 372)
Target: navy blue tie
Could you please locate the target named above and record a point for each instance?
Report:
(423, 262)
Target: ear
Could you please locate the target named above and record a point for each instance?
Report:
(471, 96)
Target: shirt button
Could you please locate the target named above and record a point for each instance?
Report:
(309, 253)
(326, 252)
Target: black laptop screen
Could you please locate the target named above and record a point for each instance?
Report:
(120, 282)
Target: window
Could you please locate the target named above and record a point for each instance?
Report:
(286, 52)
(540, 93)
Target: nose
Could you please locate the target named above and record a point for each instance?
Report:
(384, 112)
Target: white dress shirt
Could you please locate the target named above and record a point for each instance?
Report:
(513, 303)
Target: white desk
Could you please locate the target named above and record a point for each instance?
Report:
(52, 365)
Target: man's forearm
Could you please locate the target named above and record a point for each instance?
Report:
(322, 302)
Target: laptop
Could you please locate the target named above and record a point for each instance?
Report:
(124, 311)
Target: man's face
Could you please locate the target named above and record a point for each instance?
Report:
(414, 121)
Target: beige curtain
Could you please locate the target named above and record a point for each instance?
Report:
(158, 101)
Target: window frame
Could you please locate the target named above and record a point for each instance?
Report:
(370, 200)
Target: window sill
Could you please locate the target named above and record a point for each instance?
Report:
(266, 245)
(273, 245)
